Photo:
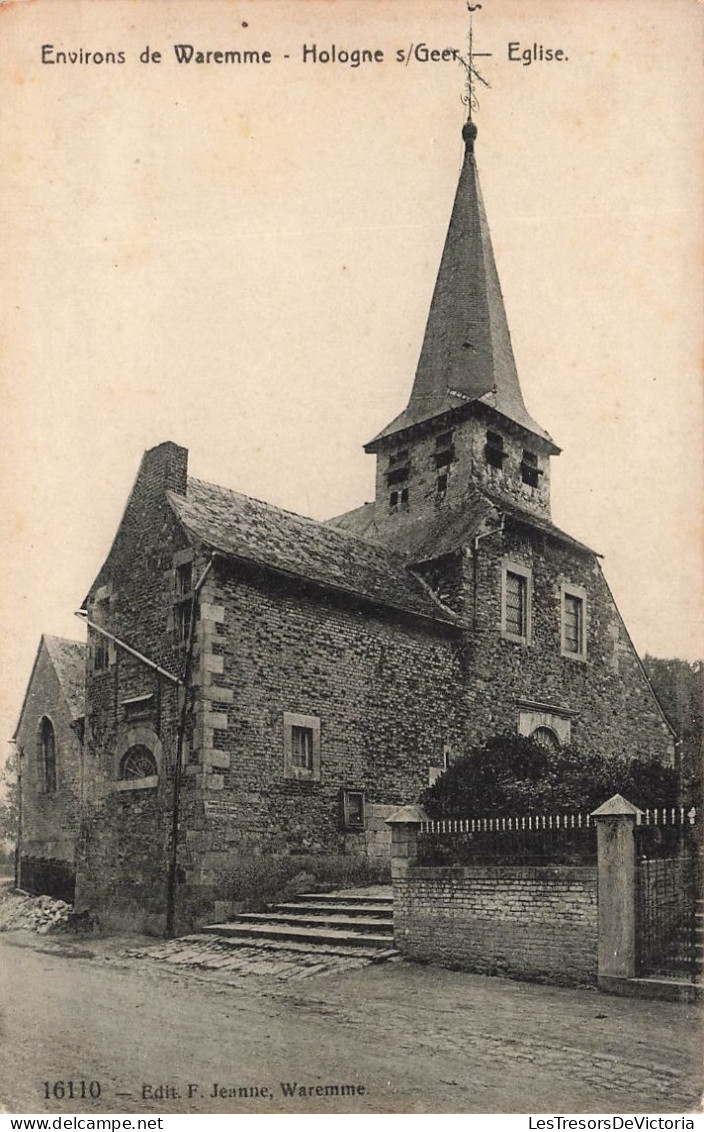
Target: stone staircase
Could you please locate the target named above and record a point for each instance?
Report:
(351, 923)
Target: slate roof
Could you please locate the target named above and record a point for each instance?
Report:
(250, 530)
(466, 353)
(447, 530)
(69, 660)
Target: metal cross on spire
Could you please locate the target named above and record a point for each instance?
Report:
(473, 76)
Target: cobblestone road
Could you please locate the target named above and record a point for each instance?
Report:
(417, 1039)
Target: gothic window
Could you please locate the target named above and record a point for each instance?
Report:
(573, 627)
(516, 603)
(494, 452)
(47, 755)
(530, 471)
(138, 762)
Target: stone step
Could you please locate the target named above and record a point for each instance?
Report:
(313, 936)
(292, 947)
(336, 897)
(320, 918)
(334, 908)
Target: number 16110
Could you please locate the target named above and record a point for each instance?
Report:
(71, 1090)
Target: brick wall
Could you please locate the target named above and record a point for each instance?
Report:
(533, 923)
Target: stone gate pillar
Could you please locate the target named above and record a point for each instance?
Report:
(616, 865)
(405, 827)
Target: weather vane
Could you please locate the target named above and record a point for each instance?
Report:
(469, 97)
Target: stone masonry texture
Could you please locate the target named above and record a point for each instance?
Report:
(534, 923)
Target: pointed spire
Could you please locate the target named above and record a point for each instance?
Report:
(466, 352)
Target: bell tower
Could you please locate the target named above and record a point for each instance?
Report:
(466, 421)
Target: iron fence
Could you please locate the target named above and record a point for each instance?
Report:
(668, 887)
(527, 839)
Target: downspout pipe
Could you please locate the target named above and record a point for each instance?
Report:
(475, 556)
(183, 692)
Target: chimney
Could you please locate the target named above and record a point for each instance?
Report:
(165, 468)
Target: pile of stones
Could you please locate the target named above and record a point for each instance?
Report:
(37, 913)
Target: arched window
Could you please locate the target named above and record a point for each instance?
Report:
(546, 737)
(47, 755)
(138, 762)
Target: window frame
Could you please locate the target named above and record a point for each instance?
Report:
(45, 786)
(136, 736)
(347, 824)
(526, 574)
(568, 590)
(291, 720)
(183, 597)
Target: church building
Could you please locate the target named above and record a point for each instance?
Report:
(262, 689)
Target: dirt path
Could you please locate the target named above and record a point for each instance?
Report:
(415, 1039)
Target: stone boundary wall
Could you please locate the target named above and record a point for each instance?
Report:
(528, 922)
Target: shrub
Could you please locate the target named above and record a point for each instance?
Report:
(511, 774)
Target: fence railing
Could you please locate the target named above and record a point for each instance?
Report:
(557, 838)
(668, 883)
(523, 839)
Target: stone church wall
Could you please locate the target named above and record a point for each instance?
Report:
(50, 820)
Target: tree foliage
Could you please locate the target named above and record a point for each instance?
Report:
(679, 685)
(8, 800)
(511, 774)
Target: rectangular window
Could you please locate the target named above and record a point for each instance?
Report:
(400, 457)
(441, 486)
(182, 621)
(494, 449)
(183, 599)
(301, 746)
(516, 603)
(353, 809)
(101, 646)
(516, 595)
(573, 629)
(184, 580)
(101, 653)
(530, 471)
(139, 707)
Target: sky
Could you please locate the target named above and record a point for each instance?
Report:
(240, 258)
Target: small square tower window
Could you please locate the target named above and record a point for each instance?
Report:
(494, 453)
(530, 472)
(441, 487)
